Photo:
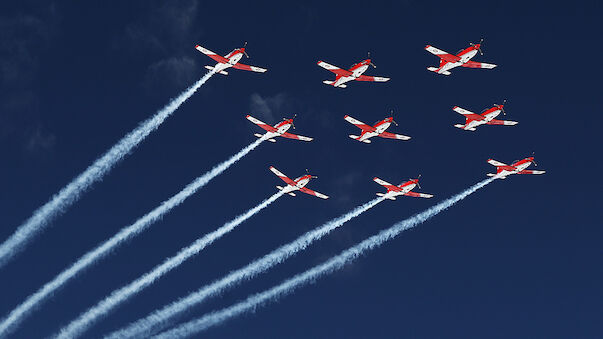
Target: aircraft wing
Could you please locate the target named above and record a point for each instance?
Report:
(496, 163)
(502, 122)
(419, 195)
(468, 114)
(394, 136)
(244, 67)
(359, 124)
(296, 137)
(371, 78)
(314, 193)
(386, 184)
(334, 69)
(442, 54)
(475, 64)
(261, 124)
(212, 55)
(282, 176)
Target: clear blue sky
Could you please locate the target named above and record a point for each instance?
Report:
(521, 258)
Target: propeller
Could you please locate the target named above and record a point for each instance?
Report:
(534, 162)
(418, 177)
(392, 115)
(245, 45)
(501, 107)
(371, 63)
(480, 46)
(311, 176)
(292, 125)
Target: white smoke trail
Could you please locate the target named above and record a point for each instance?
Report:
(94, 314)
(71, 193)
(159, 319)
(335, 263)
(10, 323)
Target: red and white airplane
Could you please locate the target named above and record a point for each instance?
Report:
(278, 130)
(377, 130)
(354, 73)
(473, 120)
(297, 185)
(229, 60)
(517, 167)
(462, 58)
(403, 189)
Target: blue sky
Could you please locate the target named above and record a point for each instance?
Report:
(521, 258)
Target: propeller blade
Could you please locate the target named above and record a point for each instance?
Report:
(245, 45)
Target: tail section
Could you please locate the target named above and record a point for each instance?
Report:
(464, 127)
(212, 68)
(386, 197)
(437, 70)
(262, 135)
(496, 163)
(328, 82)
(502, 122)
(291, 194)
(531, 172)
(357, 137)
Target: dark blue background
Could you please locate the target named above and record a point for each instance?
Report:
(520, 258)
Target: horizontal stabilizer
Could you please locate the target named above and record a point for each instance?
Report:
(342, 86)
(386, 197)
(433, 69)
(496, 163)
(328, 82)
(531, 172)
(211, 68)
(279, 187)
(356, 137)
(291, 194)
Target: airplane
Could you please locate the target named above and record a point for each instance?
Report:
(517, 167)
(229, 60)
(354, 73)
(473, 120)
(278, 130)
(377, 130)
(403, 189)
(297, 184)
(462, 58)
